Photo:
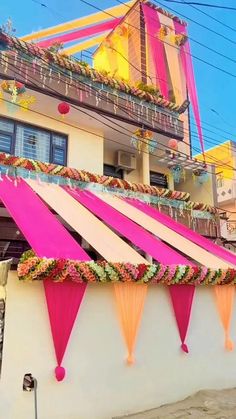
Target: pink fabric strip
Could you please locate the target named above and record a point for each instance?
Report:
(81, 33)
(49, 239)
(184, 231)
(186, 59)
(129, 229)
(153, 26)
(40, 227)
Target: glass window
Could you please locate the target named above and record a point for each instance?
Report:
(110, 170)
(58, 149)
(158, 179)
(32, 142)
(5, 142)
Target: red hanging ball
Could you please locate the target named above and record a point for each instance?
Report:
(63, 108)
(173, 144)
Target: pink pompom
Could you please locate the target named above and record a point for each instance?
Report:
(184, 348)
(60, 373)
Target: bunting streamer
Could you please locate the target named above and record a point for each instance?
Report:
(130, 300)
(81, 33)
(63, 302)
(185, 54)
(225, 300)
(182, 299)
(48, 238)
(153, 26)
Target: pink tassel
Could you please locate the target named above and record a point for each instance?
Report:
(184, 348)
(60, 373)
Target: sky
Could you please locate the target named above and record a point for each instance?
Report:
(216, 90)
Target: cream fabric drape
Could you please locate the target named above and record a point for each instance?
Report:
(164, 233)
(173, 60)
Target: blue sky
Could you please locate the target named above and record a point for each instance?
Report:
(216, 90)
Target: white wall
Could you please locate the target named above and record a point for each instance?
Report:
(99, 385)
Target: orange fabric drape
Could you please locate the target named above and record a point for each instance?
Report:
(225, 300)
(130, 300)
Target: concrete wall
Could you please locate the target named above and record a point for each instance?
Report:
(99, 385)
(85, 150)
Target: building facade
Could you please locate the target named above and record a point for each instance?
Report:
(74, 163)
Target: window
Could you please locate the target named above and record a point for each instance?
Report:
(110, 170)
(32, 142)
(158, 179)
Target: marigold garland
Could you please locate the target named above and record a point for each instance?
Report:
(107, 181)
(33, 51)
(32, 268)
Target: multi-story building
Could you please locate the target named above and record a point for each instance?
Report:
(73, 139)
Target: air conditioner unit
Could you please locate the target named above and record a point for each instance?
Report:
(126, 161)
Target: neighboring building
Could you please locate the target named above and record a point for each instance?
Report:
(90, 152)
(224, 157)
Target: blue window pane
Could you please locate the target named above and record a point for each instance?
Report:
(5, 143)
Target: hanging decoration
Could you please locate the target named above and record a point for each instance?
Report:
(200, 176)
(143, 140)
(63, 302)
(34, 268)
(182, 299)
(177, 172)
(14, 88)
(130, 300)
(25, 101)
(225, 300)
(173, 144)
(63, 108)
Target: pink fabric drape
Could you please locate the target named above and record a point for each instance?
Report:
(157, 249)
(49, 239)
(80, 33)
(63, 302)
(153, 26)
(186, 59)
(182, 299)
(185, 232)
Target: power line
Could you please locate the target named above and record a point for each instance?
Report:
(197, 23)
(215, 6)
(97, 91)
(124, 133)
(209, 16)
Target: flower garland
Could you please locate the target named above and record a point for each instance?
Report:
(108, 181)
(12, 43)
(84, 176)
(33, 268)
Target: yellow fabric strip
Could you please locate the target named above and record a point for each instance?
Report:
(107, 14)
(85, 45)
(164, 233)
(94, 231)
(173, 59)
